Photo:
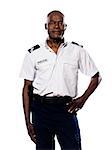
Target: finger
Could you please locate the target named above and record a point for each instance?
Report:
(69, 104)
(32, 131)
(77, 109)
(33, 138)
(72, 108)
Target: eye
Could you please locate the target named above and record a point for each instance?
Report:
(60, 23)
(51, 22)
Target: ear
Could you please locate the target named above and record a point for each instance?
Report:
(46, 26)
(65, 26)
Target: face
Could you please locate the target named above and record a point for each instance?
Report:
(55, 25)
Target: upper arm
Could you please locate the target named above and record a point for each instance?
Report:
(27, 84)
(86, 64)
(27, 88)
(97, 77)
(28, 68)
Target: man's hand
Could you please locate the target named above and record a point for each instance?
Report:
(31, 132)
(76, 104)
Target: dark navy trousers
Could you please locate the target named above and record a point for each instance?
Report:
(54, 119)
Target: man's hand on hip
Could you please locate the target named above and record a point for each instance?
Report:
(76, 104)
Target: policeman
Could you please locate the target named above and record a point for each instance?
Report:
(52, 70)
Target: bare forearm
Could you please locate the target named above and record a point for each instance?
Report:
(26, 102)
(80, 101)
(92, 86)
(26, 105)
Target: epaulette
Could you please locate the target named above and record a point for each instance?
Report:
(33, 48)
(77, 44)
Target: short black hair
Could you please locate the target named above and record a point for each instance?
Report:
(55, 11)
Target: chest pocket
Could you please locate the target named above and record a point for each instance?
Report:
(44, 70)
(44, 67)
(70, 64)
(70, 69)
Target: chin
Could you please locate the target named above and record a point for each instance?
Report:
(56, 37)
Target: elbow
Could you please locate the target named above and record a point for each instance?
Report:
(99, 78)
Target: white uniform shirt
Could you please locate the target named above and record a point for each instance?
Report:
(57, 73)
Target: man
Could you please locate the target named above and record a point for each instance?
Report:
(51, 69)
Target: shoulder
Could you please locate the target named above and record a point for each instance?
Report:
(33, 48)
(78, 49)
(74, 43)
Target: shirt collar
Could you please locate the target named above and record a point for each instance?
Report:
(61, 46)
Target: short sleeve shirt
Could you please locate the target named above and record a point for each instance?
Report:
(57, 74)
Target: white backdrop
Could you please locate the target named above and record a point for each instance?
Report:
(21, 27)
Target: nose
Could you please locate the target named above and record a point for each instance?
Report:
(56, 24)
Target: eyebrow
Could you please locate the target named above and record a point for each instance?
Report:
(57, 21)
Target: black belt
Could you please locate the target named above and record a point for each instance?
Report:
(53, 99)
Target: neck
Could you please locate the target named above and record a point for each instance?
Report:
(54, 43)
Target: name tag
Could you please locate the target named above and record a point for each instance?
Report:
(42, 61)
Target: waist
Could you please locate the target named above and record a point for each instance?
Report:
(53, 99)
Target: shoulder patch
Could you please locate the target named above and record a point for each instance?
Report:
(33, 48)
(77, 44)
